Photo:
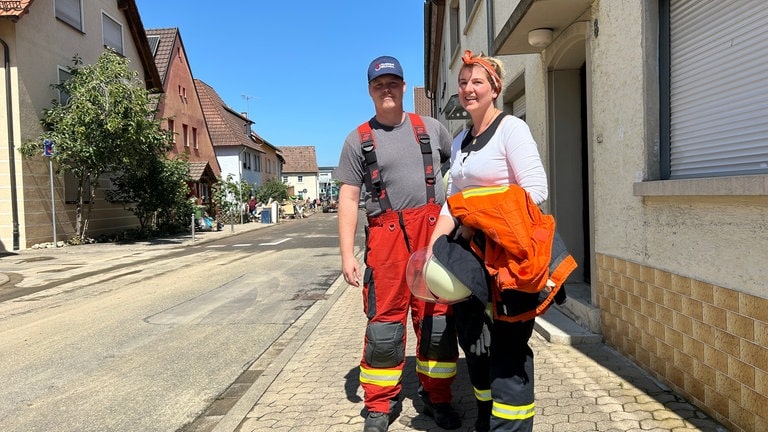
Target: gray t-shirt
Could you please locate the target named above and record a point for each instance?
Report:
(400, 163)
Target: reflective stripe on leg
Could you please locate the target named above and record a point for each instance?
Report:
(512, 412)
(482, 395)
(436, 369)
(380, 377)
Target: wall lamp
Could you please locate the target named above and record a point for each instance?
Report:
(540, 38)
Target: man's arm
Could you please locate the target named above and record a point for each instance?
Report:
(349, 196)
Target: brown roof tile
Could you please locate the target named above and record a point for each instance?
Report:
(226, 126)
(299, 159)
(196, 169)
(14, 8)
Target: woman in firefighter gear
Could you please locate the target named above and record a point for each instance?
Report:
(496, 149)
(397, 156)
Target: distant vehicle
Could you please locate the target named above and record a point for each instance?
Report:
(329, 204)
(329, 198)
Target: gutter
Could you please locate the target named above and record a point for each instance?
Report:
(11, 144)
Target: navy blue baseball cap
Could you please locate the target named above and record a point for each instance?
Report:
(384, 65)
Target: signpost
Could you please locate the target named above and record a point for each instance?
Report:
(48, 152)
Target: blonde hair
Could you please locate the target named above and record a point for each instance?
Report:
(492, 66)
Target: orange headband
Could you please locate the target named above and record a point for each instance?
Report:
(468, 59)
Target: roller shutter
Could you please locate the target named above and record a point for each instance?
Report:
(718, 87)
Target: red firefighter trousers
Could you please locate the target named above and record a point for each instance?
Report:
(390, 240)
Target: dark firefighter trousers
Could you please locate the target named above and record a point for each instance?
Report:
(390, 240)
(504, 378)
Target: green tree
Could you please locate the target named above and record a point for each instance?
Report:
(156, 192)
(106, 125)
(273, 189)
(230, 195)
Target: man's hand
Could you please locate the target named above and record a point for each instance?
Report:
(350, 268)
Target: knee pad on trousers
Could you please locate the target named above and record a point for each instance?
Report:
(384, 347)
(438, 338)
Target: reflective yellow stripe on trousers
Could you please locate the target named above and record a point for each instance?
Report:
(512, 412)
(436, 369)
(380, 377)
(482, 395)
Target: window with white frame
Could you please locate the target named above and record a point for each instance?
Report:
(185, 135)
(70, 12)
(112, 33)
(300, 179)
(714, 114)
(194, 137)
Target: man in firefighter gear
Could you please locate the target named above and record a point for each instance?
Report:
(397, 156)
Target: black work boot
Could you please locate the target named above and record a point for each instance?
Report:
(483, 422)
(443, 413)
(376, 422)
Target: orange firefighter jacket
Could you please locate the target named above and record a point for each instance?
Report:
(518, 250)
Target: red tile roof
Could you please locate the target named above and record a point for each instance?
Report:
(14, 8)
(199, 169)
(226, 126)
(299, 159)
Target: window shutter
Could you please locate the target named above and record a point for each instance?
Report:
(113, 34)
(69, 12)
(518, 107)
(719, 90)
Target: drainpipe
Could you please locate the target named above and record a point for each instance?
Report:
(489, 27)
(11, 145)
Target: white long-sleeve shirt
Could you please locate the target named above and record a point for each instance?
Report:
(509, 157)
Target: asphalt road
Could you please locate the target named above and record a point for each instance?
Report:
(153, 339)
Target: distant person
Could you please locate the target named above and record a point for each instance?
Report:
(402, 175)
(252, 204)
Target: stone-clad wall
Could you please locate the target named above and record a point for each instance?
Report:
(706, 342)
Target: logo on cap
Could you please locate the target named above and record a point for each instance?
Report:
(380, 66)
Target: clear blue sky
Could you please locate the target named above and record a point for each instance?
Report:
(301, 64)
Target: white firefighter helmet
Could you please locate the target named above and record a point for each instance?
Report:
(429, 280)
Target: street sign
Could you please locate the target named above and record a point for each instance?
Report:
(48, 148)
(48, 152)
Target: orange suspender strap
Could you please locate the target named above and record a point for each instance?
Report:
(373, 181)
